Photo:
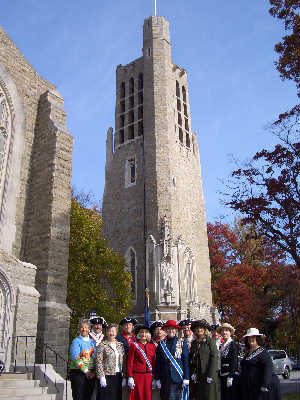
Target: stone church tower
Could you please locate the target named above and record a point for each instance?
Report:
(153, 206)
(35, 200)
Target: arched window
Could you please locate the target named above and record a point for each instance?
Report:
(177, 89)
(140, 82)
(186, 124)
(141, 98)
(122, 106)
(178, 105)
(131, 101)
(180, 135)
(140, 112)
(131, 261)
(140, 128)
(183, 94)
(5, 135)
(131, 85)
(122, 90)
(131, 117)
(179, 119)
(187, 140)
(131, 132)
(121, 137)
(185, 110)
(130, 172)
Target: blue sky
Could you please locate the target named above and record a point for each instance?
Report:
(227, 48)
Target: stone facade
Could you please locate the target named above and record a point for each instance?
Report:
(35, 194)
(153, 206)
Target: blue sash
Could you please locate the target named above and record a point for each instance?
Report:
(144, 355)
(178, 369)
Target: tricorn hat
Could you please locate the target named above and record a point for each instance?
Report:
(128, 320)
(202, 323)
(185, 322)
(156, 324)
(225, 325)
(140, 327)
(253, 332)
(95, 319)
(214, 327)
(171, 324)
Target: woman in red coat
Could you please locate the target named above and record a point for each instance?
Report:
(141, 365)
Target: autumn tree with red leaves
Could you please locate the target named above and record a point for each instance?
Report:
(288, 49)
(251, 283)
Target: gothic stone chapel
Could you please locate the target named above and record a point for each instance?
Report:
(35, 198)
(153, 206)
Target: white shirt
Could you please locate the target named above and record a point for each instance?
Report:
(117, 354)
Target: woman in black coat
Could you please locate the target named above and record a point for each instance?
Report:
(229, 363)
(258, 382)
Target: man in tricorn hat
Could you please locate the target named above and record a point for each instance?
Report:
(172, 364)
(185, 325)
(127, 336)
(97, 324)
(157, 332)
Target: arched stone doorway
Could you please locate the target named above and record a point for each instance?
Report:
(6, 317)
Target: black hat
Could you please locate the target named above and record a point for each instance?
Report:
(156, 324)
(95, 319)
(202, 323)
(127, 320)
(140, 327)
(185, 322)
(214, 327)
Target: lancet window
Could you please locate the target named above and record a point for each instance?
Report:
(131, 261)
(5, 135)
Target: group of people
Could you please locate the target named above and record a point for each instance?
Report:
(201, 364)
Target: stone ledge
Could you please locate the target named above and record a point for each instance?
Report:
(28, 291)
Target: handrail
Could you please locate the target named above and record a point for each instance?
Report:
(45, 349)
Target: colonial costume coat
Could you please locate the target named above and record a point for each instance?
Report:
(204, 364)
(257, 373)
(229, 369)
(140, 371)
(165, 371)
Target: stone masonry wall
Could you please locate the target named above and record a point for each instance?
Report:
(44, 198)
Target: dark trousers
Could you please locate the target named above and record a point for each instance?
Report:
(228, 393)
(82, 388)
(113, 390)
(170, 390)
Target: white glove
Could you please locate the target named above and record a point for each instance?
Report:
(193, 377)
(123, 382)
(103, 383)
(229, 382)
(153, 384)
(131, 383)
(185, 383)
(264, 389)
(209, 380)
(158, 384)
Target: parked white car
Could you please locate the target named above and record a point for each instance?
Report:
(282, 364)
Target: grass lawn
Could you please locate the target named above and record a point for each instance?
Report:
(291, 396)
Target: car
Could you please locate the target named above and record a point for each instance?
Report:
(282, 364)
(296, 363)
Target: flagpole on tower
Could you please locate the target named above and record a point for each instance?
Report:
(155, 8)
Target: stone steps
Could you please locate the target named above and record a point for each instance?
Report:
(22, 387)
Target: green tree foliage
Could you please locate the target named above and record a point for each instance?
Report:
(97, 276)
